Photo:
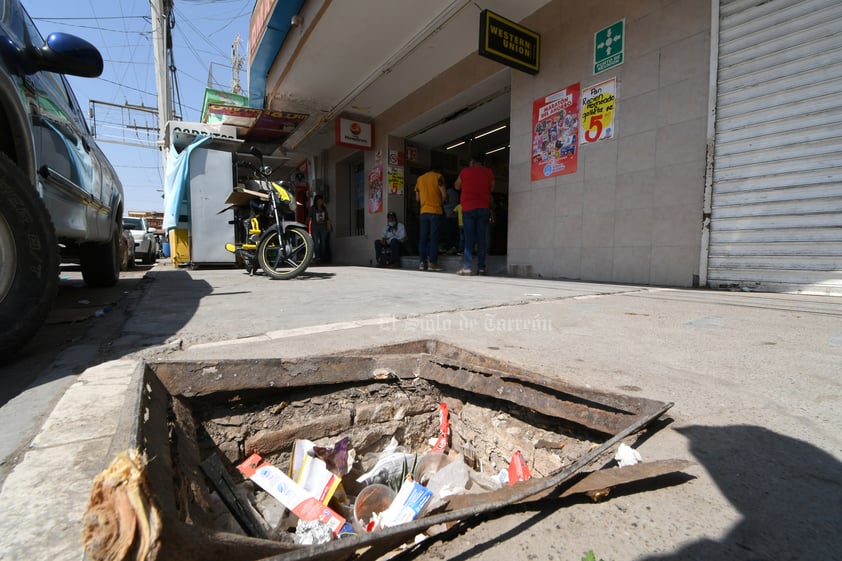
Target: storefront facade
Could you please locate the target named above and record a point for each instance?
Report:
(654, 181)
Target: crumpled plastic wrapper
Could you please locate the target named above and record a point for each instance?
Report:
(339, 459)
(312, 533)
(627, 456)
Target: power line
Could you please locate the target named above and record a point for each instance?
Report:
(54, 19)
(125, 86)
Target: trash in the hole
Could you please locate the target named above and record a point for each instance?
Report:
(311, 533)
(494, 409)
(399, 486)
(390, 464)
(372, 500)
(289, 493)
(627, 456)
(518, 470)
(312, 473)
(406, 506)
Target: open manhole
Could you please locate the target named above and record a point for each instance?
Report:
(195, 423)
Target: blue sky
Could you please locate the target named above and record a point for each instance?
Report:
(202, 38)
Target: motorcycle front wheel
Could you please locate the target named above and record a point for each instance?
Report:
(285, 255)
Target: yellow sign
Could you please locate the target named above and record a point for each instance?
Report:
(599, 105)
(395, 175)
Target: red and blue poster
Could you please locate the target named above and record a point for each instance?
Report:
(375, 190)
(555, 128)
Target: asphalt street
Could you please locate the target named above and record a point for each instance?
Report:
(754, 378)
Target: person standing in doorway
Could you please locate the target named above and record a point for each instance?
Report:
(475, 182)
(319, 228)
(430, 192)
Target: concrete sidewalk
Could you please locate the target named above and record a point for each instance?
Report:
(754, 378)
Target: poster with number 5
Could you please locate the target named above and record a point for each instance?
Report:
(599, 108)
(555, 125)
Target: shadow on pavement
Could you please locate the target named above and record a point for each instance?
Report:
(84, 322)
(788, 492)
(164, 312)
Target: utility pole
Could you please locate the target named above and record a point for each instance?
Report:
(161, 10)
(236, 65)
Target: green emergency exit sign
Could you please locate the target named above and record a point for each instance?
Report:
(608, 46)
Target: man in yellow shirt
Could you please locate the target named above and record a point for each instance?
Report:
(430, 192)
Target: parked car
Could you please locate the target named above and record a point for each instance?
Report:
(60, 198)
(127, 256)
(145, 240)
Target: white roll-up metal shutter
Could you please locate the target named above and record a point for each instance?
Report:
(776, 199)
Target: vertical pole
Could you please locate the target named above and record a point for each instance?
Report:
(236, 65)
(160, 33)
(704, 253)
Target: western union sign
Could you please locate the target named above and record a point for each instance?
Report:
(509, 43)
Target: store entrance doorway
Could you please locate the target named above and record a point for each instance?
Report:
(492, 144)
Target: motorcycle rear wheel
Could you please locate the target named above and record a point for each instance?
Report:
(285, 255)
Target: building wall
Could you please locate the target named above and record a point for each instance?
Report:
(632, 212)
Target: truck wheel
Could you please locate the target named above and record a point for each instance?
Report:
(29, 261)
(124, 255)
(100, 262)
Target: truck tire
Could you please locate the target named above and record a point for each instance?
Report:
(29, 260)
(149, 256)
(100, 262)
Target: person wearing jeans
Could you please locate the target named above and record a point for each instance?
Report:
(427, 241)
(430, 192)
(475, 223)
(475, 182)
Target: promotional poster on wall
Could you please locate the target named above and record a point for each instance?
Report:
(375, 190)
(599, 107)
(395, 172)
(555, 128)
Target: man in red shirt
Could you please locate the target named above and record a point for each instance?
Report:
(475, 182)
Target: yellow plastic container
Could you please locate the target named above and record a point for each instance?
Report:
(180, 246)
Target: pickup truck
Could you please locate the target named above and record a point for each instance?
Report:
(60, 198)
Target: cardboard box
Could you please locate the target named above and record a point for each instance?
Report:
(407, 504)
(278, 484)
(311, 472)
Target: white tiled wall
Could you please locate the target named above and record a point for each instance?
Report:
(633, 210)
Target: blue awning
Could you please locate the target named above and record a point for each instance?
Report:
(277, 28)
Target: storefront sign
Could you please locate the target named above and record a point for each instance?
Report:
(375, 190)
(599, 105)
(608, 46)
(506, 42)
(219, 97)
(256, 125)
(355, 134)
(555, 126)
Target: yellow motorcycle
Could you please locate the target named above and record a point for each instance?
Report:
(266, 233)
